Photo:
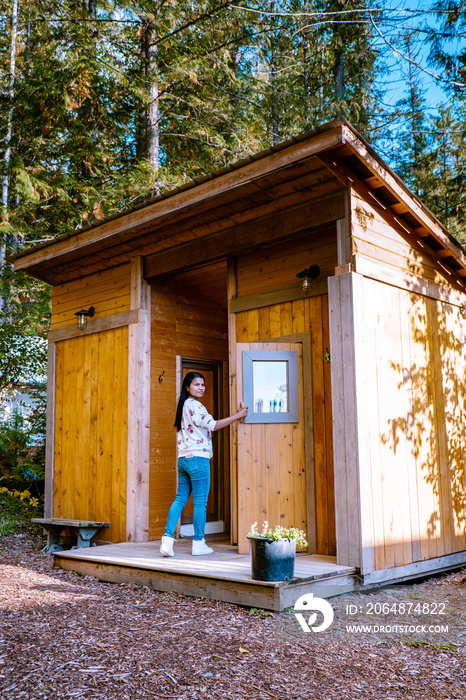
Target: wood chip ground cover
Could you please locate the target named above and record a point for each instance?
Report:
(67, 636)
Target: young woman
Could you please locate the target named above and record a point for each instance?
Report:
(194, 442)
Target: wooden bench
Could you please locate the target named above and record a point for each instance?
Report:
(84, 529)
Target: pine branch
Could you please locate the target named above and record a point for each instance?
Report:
(454, 83)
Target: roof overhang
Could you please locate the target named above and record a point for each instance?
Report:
(213, 216)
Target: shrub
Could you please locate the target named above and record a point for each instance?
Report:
(22, 455)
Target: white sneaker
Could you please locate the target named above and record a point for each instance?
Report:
(200, 547)
(166, 547)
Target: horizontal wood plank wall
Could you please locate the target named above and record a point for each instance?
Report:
(374, 239)
(91, 430)
(277, 265)
(412, 351)
(187, 325)
(109, 292)
(300, 316)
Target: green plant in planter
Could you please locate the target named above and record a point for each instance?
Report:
(278, 533)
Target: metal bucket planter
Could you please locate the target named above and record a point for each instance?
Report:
(272, 560)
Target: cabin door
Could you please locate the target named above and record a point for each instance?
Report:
(271, 455)
(212, 400)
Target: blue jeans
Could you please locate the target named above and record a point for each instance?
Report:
(193, 475)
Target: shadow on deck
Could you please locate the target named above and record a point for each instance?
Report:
(224, 575)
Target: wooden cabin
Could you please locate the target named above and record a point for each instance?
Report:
(372, 462)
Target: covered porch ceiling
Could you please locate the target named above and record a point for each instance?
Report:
(266, 198)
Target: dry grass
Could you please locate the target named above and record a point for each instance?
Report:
(66, 636)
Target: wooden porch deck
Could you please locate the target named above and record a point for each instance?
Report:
(224, 575)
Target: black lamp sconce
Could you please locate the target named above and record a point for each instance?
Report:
(307, 276)
(463, 310)
(81, 317)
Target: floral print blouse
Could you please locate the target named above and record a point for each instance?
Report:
(195, 437)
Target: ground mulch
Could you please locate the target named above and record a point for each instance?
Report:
(67, 636)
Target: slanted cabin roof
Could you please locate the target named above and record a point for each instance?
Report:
(210, 217)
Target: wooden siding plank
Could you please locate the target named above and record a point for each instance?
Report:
(344, 398)
(264, 323)
(423, 442)
(408, 491)
(409, 409)
(319, 424)
(298, 456)
(94, 342)
(393, 440)
(273, 267)
(50, 429)
(454, 390)
(80, 484)
(339, 424)
(297, 316)
(58, 429)
(441, 475)
(407, 281)
(108, 292)
(286, 325)
(332, 544)
(233, 403)
(274, 316)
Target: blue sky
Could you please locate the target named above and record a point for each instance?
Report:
(410, 16)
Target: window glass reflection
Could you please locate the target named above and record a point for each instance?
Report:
(270, 387)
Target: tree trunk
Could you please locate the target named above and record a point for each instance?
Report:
(152, 121)
(90, 7)
(338, 73)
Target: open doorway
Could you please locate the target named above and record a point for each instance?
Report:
(217, 504)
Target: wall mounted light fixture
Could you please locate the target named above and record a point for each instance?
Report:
(307, 276)
(463, 310)
(81, 317)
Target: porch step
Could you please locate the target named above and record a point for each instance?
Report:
(224, 575)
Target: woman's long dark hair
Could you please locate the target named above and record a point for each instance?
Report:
(185, 395)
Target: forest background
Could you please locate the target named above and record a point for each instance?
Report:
(106, 103)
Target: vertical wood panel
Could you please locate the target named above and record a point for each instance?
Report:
(453, 343)
(82, 430)
(118, 427)
(50, 430)
(94, 344)
(442, 477)
(318, 402)
(297, 317)
(58, 429)
(345, 425)
(275, 326)
(332, 541)
(231, 400)
(286, 326)
(423, 439)
(411, 368)
(90, 435)
(264, 323)
(408, 516)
